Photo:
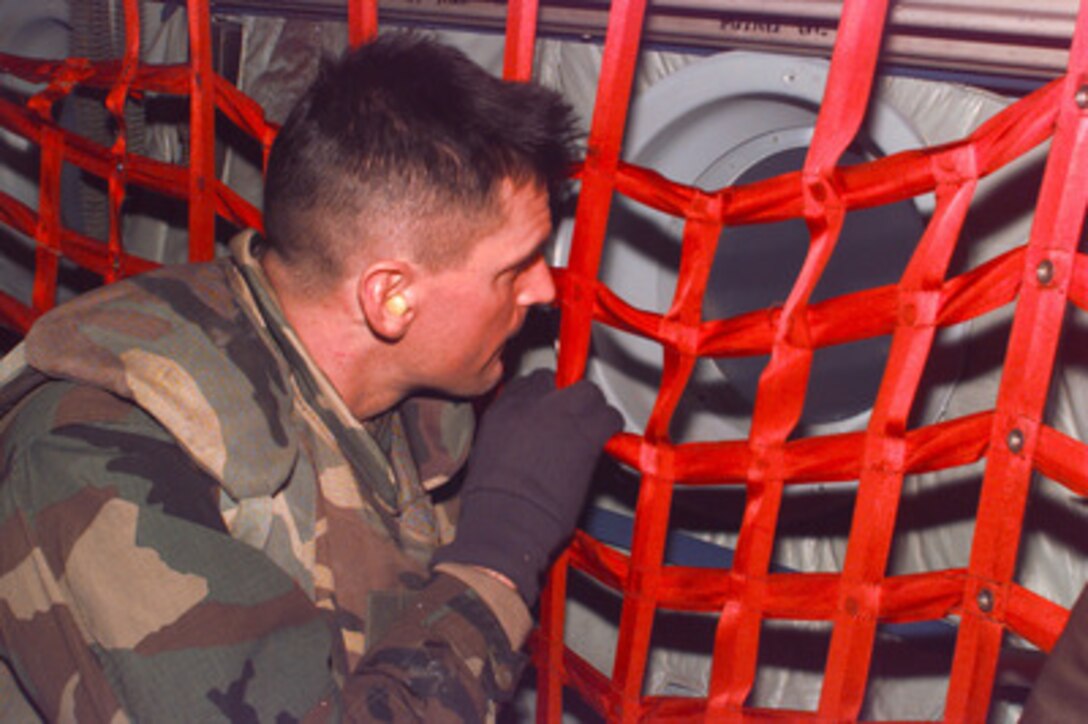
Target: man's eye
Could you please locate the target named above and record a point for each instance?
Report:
(529, 263)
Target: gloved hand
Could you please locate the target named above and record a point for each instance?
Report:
(527, 476)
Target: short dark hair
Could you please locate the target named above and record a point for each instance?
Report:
(406, 127)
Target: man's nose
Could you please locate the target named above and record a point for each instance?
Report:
(537, 284)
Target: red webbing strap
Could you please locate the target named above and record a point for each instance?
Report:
(598, 178)
(248, 115)
(547, 648)
(832, 458)
(115, 103)
(63, 75)
(208, 196)
(781, 392)
(640, 588)
(1033, 617)
(1078, 289)
(862, 593)
(47, 250)
(1033, 341)
(591, 219)
(521, 18)
(48, 229)
(1060, 457)
(643, 582)
(362, 21)
(202, 180)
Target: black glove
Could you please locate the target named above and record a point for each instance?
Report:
(527, 476)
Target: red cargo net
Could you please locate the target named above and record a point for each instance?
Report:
(123, 80)
(1040, 278)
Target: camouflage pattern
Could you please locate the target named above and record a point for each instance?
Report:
(192, 526)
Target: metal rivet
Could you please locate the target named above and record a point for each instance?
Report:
(1045, 272)
(985, 600)
(1081, 97)
(1015, 440)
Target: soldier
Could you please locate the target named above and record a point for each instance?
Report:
(216, 493)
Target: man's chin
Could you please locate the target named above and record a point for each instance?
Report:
(482, 383)
(467, 387)
(492, 374)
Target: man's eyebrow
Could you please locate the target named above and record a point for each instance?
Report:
(527, 260)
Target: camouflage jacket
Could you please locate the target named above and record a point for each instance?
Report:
(193, 527)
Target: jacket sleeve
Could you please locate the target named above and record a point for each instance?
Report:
(1060, 694)
(443, 660)
(121, 593)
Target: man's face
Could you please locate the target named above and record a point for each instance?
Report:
(475, 306)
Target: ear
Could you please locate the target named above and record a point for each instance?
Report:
(387, 298)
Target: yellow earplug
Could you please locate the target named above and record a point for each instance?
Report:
(397, 304)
